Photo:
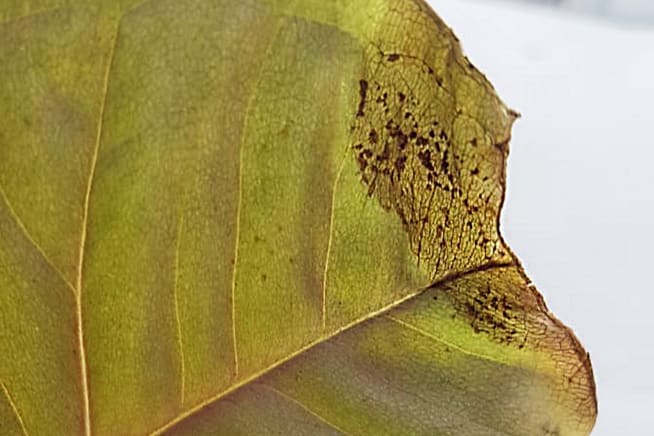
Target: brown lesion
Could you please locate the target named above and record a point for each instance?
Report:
(418, 157)
(363, 92)
(504, 306)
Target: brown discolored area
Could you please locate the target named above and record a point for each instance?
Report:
(363, 91)
(438, 169)
(503, 305)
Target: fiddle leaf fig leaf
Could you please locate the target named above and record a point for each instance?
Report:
(263, 217)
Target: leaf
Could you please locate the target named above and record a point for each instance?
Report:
(262, 217)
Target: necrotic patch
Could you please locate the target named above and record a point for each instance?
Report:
(421, 156)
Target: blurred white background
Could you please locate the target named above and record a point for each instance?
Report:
(632, 11)
(580, 208)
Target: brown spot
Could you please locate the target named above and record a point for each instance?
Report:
(373, 136)
(402, 140)
(503, 146)
(384, 154)
(400, 163)
(363, 91)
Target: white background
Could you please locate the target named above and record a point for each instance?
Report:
(580, 209)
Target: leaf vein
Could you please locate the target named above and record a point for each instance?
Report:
(329, 244)
(23, 228)
(442, 341)
(239, 203)
(304, 407)
(82, 245)
(12, 404)
(178, 323)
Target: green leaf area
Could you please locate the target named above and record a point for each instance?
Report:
(272, 217)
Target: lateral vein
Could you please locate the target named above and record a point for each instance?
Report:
(421, 332)
(27, 234)
(178, 322)
(329, 245)
(304, 407)
(12, 404)
(239, 203)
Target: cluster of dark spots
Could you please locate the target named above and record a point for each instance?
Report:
(403, 218)
(363, 157)
(492, 313)
(363, 91)
(421, 141)
(390, 126)
(470, 208)
(402, 140)
(373, 136)
(400, 164)
(393, 57)
(425, 159)
(445, 165)
(385, 154)
(405, 156)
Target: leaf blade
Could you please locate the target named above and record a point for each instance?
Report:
(169, 156)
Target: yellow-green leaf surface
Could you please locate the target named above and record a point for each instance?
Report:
(252, 217)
